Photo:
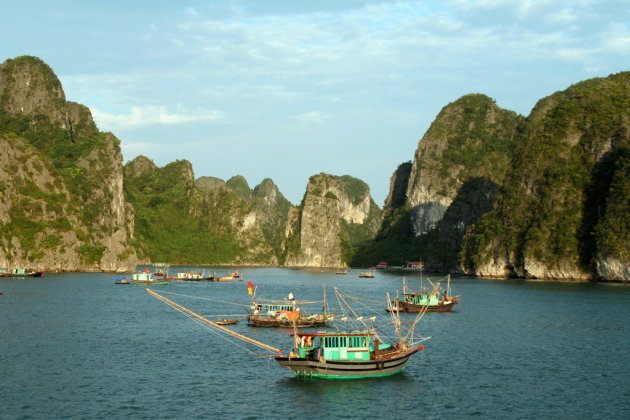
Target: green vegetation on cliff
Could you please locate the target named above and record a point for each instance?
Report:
(165, 228)
(182, 223)
(461, 158)
(61, 174)
(551, 205)
(547, 194)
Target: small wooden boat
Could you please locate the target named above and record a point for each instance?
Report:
(121, 280)
(367, 274)
(226, 278)
(227, 321)
(341, 272)
(161, 269)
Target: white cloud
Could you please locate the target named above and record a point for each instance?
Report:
(311, 117)
(141, 116)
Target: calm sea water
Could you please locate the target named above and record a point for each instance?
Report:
(76, 345)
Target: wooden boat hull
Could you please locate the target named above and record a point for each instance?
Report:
(28, 274)
(411, 307)
(348, 369)
(227, 321)
(282, 323)
(157, 282)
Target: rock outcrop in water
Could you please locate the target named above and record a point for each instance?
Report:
(61, 179)
(336, 214)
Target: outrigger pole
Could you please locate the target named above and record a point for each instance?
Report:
(226, 330)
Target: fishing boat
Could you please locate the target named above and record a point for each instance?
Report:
(342, 355)
(161, 269)
(224, 278)
(433, 300)
(342, 272)
(285, 313)
(22, 272)
(146, 277)
(336, 355)
(367, 274)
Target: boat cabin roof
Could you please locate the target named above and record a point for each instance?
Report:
(337, 334)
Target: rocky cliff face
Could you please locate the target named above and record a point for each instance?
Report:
(273, 212)
(470, 138)
(63, 178)
(493, 194)
(335, 215)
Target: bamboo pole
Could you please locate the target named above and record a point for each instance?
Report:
(226, 330)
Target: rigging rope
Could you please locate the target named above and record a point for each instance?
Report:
(219, 327)
(208, 299)
(210, 329)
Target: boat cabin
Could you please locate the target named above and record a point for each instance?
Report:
(336, 346)
(142, 276)
(273, 309)
(190, 275)
(423, 298)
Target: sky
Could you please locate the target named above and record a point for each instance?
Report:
(289, 89)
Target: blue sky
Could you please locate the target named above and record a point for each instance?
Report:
(288, 89)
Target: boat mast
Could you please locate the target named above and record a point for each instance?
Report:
(448, 285)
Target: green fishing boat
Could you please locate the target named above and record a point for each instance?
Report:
(346, 355)
(435, 299)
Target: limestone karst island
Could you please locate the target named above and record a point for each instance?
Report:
(487, 193)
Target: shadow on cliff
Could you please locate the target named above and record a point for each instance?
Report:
(595, 204)
(439, 248)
